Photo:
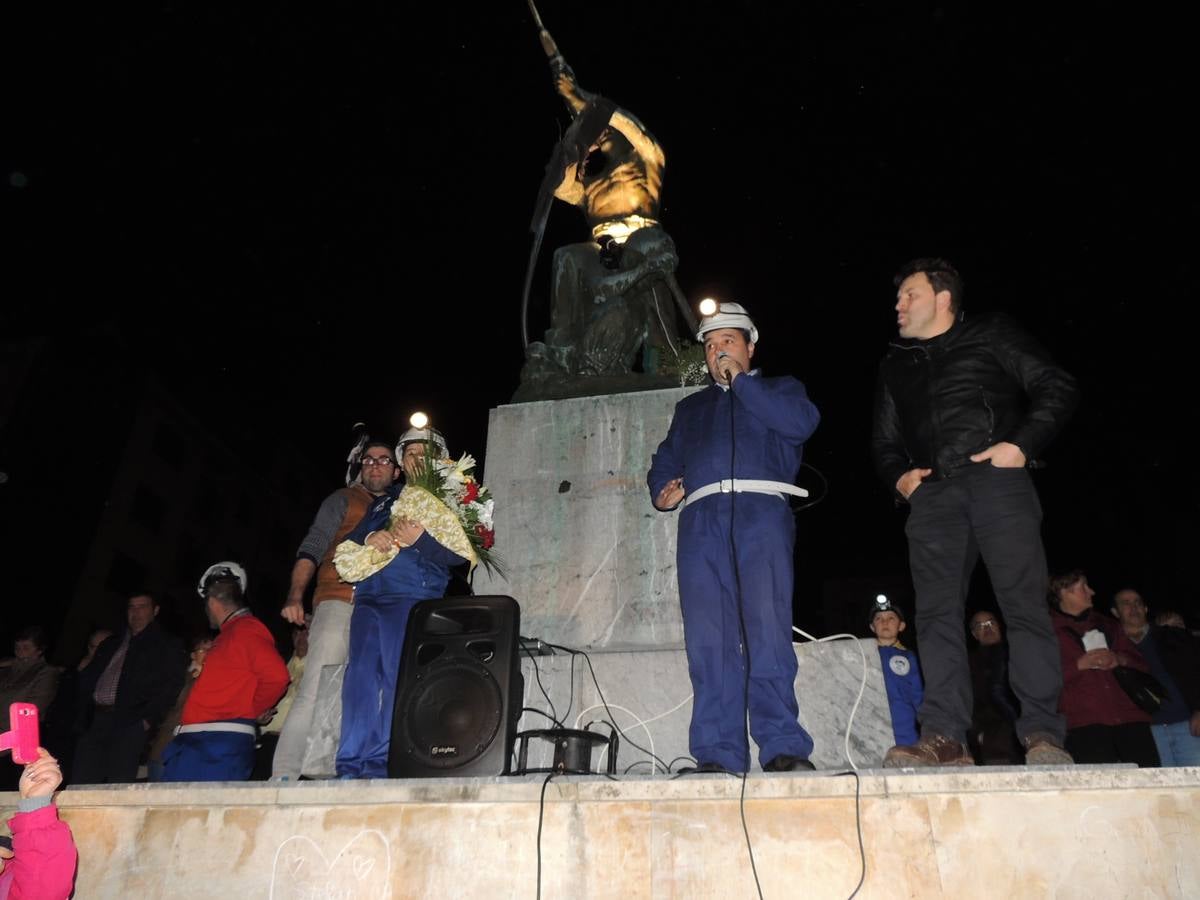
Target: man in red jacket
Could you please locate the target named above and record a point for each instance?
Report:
(242, 678)
(1103, 724)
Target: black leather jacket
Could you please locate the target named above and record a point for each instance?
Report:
(984, 381)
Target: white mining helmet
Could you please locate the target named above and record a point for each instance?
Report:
(432, 435)
(219, 571)
(728, 315)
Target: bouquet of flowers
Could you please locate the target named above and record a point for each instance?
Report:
(450, 504)
(454, 484)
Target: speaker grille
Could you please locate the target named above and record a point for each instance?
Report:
(451, 714)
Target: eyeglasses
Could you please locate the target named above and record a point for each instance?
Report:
(986, 623)
(372, 461)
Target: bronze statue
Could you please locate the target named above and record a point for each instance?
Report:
(616, 294)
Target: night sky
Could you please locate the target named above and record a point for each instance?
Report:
(304, 216)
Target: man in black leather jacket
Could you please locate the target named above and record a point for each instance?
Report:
(962, 406)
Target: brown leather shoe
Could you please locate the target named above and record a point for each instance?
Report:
(930, 750)
(1042, 749)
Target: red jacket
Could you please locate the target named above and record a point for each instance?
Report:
(43, 864)
(1092, 696)
(243, 674)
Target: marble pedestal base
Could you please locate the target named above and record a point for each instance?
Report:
(648, 694)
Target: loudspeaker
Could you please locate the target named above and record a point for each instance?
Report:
(459, 692)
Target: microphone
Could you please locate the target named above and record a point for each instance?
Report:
(720, 356)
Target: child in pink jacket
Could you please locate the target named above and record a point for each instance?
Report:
(41, 863)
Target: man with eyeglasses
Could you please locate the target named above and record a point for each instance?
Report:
(962, 406)
(418, 570)
(993, 737)
(329, 631)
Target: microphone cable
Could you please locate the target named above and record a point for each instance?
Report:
(737, 581)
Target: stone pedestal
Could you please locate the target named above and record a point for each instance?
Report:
(592, 564)
(1073, 832)
(648, 695)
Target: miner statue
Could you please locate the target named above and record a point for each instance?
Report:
(615, 304)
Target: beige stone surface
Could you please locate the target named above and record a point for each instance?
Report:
(1093, 833)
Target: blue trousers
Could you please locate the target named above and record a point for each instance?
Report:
(763, 537)
(1176, 744)
(369, 686)
(209, 756)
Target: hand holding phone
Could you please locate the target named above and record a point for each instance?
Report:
(23, 736)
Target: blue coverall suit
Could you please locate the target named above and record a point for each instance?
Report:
(772, 418)
(382, 603)
(905, 691)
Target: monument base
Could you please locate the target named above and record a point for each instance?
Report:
(647, 694)
(1070, 832)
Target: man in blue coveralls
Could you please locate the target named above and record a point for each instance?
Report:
(901, 674)
(382, 602)
(731, 456)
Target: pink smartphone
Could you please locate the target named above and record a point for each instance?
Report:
(23, 734)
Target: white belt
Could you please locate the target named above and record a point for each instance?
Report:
(740, 485)
(236, 727)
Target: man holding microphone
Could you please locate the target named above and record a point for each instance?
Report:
(730, 457)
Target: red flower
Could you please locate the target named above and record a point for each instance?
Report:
(471, 493)
(487, 535)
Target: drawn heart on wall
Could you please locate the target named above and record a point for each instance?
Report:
(361, 869)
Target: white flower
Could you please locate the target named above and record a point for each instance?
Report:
(484, 510)
(454, 475)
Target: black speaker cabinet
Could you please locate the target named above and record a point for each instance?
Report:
(459, 692)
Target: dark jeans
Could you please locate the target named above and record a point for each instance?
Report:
(109, 753)
(1132, 742)
(995, 513)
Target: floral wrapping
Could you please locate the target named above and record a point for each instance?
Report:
(449, 503)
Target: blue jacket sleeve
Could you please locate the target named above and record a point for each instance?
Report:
(375, 519)
(667, 462)
(781, 405)
(427, 545)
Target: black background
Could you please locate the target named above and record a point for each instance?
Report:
(299, 217)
